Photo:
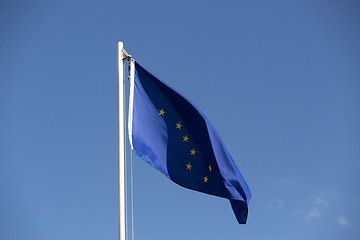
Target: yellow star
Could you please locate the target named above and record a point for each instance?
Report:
(192, 152)
(186, 138)
(161, 112)
(206, 179)
(188, 166)
(178, 125)
(210, 168)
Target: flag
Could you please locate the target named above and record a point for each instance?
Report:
(173, 136)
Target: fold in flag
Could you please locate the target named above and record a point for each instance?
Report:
(173, 136)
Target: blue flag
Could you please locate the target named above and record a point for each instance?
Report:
(173, 136)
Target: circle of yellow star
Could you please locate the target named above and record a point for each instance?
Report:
(188, 166)
(206, 179)
(210, 168)
(192, 152)
(186, 138)
(161, 112)
(178, 125)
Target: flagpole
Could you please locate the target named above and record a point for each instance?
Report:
(121, 141)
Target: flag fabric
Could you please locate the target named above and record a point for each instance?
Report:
(173, 136)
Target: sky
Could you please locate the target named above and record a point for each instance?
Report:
(279, 80)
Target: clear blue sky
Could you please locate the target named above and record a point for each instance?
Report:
(280, 80)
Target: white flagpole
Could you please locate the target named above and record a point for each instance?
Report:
(121, 141)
